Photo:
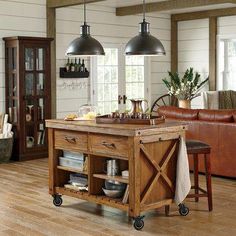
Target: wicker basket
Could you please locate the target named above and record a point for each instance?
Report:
(5, 149)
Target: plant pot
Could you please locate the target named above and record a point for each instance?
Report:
(185, 104)
(5, 149)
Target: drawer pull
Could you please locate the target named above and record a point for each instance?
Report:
(109, 145)
(70, 139)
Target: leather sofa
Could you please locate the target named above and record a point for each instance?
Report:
(215, 127)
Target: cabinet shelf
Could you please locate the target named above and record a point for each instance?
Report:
(99, 199)
(115, 178)
(29, 97)
(71, 169)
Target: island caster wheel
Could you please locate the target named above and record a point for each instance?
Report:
(138, 222)
(57, 200)
(183, 210)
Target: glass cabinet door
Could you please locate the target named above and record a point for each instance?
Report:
(29, 84)
(40, 65)
(29, 59)
(34, 97)
(12, 85)
(40, 83)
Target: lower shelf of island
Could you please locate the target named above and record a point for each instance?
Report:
(71, 169)
(99, 199)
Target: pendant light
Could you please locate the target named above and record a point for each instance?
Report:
(144, 43)
(85, 45)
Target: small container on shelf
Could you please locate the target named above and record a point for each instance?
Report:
(71, 162)
(73, 155)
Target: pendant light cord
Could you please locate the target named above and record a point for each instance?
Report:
(85, 12)
(144, 10)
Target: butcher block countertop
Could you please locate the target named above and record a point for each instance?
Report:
(116, 129)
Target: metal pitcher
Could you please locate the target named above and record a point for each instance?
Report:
(137, 106)
(112, 167)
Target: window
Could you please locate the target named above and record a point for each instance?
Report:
(226, 67)
(134, 78)
(116, 79)
(107, 81)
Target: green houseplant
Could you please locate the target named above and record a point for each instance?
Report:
(184, 88)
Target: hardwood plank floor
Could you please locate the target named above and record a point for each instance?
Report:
(26, 209)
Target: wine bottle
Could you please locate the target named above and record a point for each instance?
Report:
(68, 65)
(79, 65)
(76, 65)
(82, 66)
(72, 66)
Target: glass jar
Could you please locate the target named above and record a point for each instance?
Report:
(87, 111)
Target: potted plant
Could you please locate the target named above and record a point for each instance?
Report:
(184, 88)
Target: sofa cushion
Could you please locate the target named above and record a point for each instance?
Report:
(216, 115)
(178, 113)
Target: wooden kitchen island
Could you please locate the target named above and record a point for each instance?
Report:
(149, 152)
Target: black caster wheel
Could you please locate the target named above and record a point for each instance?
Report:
(138, 222)
(57, 200)
(183, 210)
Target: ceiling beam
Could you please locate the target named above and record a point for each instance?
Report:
(204, 14)
(67, 3)
(168, 5)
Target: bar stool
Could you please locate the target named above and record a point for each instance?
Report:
(194, 148)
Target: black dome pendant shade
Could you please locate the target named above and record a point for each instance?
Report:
(144, 43)
(85, 45)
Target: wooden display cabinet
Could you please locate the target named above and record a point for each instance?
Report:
(28, 96)
(148, 152)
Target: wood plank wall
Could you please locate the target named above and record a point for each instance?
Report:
(193, 49)
(19, 17)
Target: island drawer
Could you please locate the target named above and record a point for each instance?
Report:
(109, 145)
(69, 140)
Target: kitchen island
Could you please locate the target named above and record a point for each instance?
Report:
(149, 152)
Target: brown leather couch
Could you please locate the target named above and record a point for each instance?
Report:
(215, 127)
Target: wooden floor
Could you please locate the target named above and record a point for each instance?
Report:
(27, 209)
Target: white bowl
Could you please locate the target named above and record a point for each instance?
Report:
(113, 193)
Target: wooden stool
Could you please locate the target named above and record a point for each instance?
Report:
(195, 147)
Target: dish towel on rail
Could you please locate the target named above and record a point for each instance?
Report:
(183, 184)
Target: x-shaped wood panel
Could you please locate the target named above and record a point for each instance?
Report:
(158, 169)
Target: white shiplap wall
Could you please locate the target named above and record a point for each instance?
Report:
(108, 29)
(19, 18)
(227, 26)
(193, 50)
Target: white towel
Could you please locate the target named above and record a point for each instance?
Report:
(183, 184)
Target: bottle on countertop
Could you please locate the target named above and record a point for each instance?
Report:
(68, 65)
(72, 66)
